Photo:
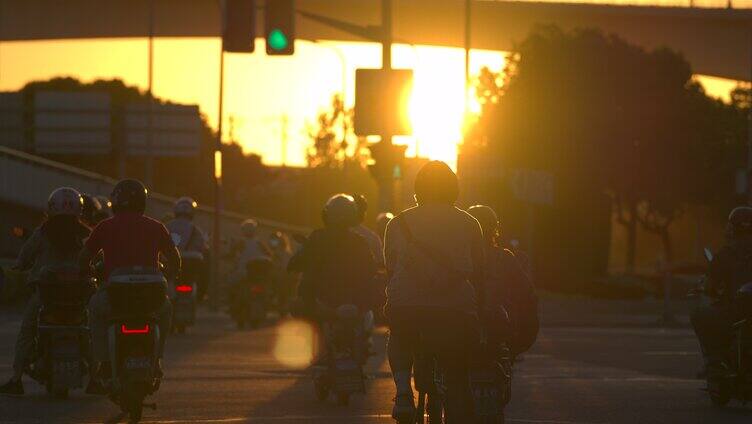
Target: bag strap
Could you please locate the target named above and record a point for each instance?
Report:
(436, 257)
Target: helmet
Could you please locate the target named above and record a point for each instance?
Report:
(489, 221)
(436, 183)
(185, 206)
(382, 220)
(91, 209)
(340, 211)
(65, 201)
(249, 227)
(129, 195)
(740, 221)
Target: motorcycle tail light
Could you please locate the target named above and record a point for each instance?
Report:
(135, 330)
(184, 289)
(257, 289)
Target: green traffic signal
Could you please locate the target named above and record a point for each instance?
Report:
(277, 40)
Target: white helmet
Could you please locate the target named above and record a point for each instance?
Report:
(249, 227)
(65, 201)
(340, 211)
(185, 206)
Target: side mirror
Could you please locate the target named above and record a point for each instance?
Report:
(708, 254)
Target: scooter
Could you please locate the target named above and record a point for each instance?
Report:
(346, 332)
(183, 295)
(249, 300)
(62, 335)
(735, 382)
(135, 295)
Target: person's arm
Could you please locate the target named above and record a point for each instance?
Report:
(29, 251)
(91, 249)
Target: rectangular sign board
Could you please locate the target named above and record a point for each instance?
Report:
(12, 121)
(72, 123)
(382, 100)
(175, 130)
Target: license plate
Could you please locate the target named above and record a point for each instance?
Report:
(137, 363)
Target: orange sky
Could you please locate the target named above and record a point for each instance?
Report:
(260, 89)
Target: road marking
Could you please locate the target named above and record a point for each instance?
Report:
(332, 418)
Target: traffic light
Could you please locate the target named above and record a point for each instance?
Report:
(279, 27)
(239, 26)
(388, 161)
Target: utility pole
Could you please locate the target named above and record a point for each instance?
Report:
(467, 55)
(150, 115)
(749, 121)
(214, 289)
(284, 139)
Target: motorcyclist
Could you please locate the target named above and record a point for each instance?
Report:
(279, 243)
(373, 239)
(730, 269)
(191, 242)
(434, 257)
(510, 300)
(57, 241)
(128, 239)
(253, 248)
(336, 263)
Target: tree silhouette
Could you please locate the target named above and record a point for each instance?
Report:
(331, 138)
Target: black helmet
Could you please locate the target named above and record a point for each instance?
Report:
(129, 196)
(340, 211)
(489, 221)
(740, 221)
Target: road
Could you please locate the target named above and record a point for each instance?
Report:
(584, 374)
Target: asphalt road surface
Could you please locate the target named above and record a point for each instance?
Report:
(575, 374)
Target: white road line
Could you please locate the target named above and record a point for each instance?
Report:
(331, 418)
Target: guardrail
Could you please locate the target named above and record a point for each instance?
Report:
(27, 180)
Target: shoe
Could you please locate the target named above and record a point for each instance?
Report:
(95, 387)
(404, 408)
(12, 388)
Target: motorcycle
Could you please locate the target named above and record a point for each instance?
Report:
(62, 335)
(346, 333)
(135, 295)
(735, 381)
(250, 297)
(184, 293)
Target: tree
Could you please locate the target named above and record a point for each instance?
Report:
(605, 116)
(331, 137)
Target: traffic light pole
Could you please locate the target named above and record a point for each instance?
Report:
(386, 181)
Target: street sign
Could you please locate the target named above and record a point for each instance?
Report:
(532, 186)
(175, 130)
(12, 120)
(382, 97)
(72, 122)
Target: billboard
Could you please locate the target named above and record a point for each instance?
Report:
(72, 123)
(12, 123)
(175, 130)
(382, 98)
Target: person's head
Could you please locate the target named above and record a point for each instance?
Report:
(129, 196)
(489, 222)
(185, 207)
(249, 227)
(340, 212)
(62, 225)
(92, 210)
(436, 183)
(740, 223)
(362, 203)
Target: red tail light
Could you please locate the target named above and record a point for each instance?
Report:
(257, 289)
(143, 330)
(184, 289)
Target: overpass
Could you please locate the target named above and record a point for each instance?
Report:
(26, 181)
(717, 42)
